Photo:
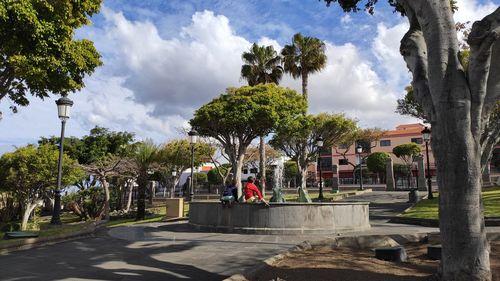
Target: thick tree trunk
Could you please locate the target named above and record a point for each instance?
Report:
(454, 106)
(26, 213)
(237, 167)
(262, 164)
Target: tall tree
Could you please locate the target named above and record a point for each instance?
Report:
(38, 52)
(145, 159)
(299, 134)
(29, 174)
(459, 106)
(242, 114)
(306, 55)
(175, 156)
(262, 65)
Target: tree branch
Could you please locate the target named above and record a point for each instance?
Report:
(414, 51)
(484, 76)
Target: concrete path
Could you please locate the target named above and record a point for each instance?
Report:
(174, 252)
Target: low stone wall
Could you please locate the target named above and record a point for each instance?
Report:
(280, 218)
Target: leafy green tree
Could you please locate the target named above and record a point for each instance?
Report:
(376, 162)
(30, 173)
(241, 114)
(291, 172)
(214, 175)
(102, 154)
(145, 160)
(38, 53)
(175, 156)
(306, 55)
(299, 134)
(407, 153)
(262, 66)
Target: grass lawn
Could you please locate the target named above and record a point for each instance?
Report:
(428, 209)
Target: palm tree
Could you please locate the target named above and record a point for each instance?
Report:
(304, 56)
(262, 65)
(145, 161)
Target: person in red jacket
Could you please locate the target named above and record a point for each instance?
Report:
(252, 193)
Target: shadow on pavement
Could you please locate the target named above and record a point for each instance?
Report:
(99, 258)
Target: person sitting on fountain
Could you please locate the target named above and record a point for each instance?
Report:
(230, 195)
(252, 193)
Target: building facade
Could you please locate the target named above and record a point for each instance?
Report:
(345, 156)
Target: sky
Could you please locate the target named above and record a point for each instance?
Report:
(163, 59)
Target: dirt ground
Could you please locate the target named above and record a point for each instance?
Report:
(344, 264)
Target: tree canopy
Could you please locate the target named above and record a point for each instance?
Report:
(262, 65)
(304, 56)
(30, 172)
(38, 52)
(297, 137)
(242, 114)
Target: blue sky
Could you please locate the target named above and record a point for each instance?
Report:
(163, 59)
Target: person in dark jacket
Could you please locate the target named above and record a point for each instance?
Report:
(230, 195)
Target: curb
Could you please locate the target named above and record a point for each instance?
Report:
(30, 243)
(359, 242)
(488, 221)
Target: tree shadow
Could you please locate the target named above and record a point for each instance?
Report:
(101, 258)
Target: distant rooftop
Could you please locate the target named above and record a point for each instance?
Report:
(406, 129)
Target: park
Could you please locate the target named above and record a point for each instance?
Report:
(222, 141)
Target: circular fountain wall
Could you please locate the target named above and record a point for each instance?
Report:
(280, 218)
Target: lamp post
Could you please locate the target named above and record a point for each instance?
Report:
(319, 143)
(426, 135)
(359, 150)
(193, 137)
(63, 109)
(172, 193)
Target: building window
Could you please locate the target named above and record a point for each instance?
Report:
(343, 146)
(343, 162)
(417, 140)
(385, 143)
(254, 171)
(245, 171)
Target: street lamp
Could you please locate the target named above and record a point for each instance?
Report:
(426, 135)
(174, 173)
(319, 143)
(359, 150)
(193, 138)
(63, 109)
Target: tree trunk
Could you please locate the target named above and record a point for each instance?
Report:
(305, 78)
(262, 164)
(142, 182)
(454, 106)
(129, 195)
(107, 198)
(26, 213)
(302, 166)
(238, 165)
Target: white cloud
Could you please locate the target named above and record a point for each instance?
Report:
(349, 84)
(345, 19)
(385, 47)
(178, 75)
(472, 10)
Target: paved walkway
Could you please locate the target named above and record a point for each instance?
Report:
(174, 252)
